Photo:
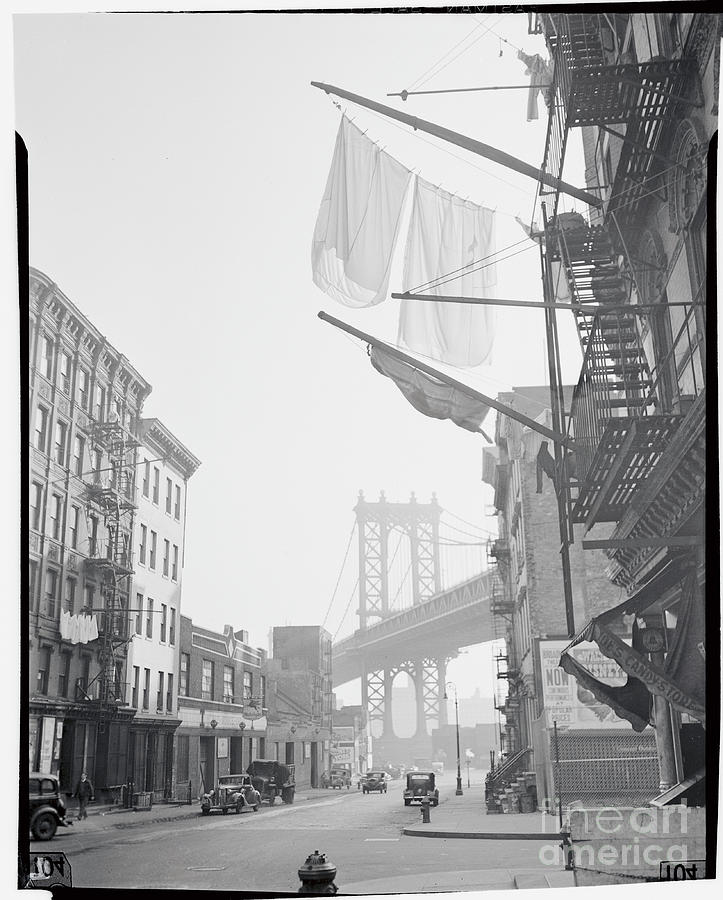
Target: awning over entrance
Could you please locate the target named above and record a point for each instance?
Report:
(681, 679)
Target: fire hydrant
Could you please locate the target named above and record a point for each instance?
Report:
(317, 875)
(426, 803)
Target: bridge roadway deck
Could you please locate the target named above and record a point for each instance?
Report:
(457, 617)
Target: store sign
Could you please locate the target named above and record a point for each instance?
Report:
(46, 746)
(342, 753)
(222, 748)
(569, 703)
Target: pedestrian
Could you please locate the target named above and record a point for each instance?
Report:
(84, 792)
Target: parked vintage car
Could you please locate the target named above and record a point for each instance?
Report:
(47, 808)
(273, 779)
(232, 792)
(420, 786)
(375, 781)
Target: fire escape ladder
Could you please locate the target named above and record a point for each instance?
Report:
(109, 509)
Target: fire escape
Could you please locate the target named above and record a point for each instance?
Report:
(110, 510)
(599, 81)
(619, 422)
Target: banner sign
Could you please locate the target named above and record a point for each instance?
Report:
(342, 753)
(567, 701)
(654, 679)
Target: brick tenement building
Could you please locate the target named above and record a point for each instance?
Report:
(301, 700)
(532, 610)
(85, 403)
(222, 699)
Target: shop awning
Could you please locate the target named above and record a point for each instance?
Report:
(681, 680)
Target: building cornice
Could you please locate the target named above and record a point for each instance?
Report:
(52, 304)
(154, 433)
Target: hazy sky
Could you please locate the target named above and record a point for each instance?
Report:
(177, 163)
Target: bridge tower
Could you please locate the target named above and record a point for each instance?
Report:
(420, 522)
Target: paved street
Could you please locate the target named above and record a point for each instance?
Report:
(361, 835)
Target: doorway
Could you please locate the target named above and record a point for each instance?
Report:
(314, 765)
(207, 762)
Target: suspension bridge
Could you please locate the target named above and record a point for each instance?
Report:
(424, 590)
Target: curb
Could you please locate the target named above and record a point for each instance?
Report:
(483, 835)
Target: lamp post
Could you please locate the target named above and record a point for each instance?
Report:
(458, 792)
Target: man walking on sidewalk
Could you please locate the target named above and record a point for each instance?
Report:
(84, 792)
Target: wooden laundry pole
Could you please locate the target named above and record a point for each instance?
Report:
(555, 436)
(467, 143)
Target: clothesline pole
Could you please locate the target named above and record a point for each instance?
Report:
(461, 140)
(491, 87)
(588, 308)
(555, 436)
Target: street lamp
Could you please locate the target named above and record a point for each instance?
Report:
(458, 792)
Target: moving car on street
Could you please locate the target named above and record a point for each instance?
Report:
(47, 809)
(232, 792)
(420, 786)
(375, 781)
(339, 778)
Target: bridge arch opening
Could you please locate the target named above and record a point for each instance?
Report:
(404, 705)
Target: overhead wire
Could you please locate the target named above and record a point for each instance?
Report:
(465, 267)
(469, 34)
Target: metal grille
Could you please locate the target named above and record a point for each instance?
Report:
(604, 768)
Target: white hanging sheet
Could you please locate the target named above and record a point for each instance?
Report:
(358, 220)
(448, 238)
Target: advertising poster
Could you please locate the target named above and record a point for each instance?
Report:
(222, 748)
(46, 746)
(566, 701)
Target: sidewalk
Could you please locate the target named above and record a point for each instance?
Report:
(101, 818)
(467, 817)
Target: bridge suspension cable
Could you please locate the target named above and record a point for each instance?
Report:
(351, 597)
(341, 572)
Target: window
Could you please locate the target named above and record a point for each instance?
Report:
(172, 629)
(207, 680)
(43, 670)
(166, 555)
(136, 682)
(41, 428)
(73, 526)
(56, 516)
(46, 365)
(89, 596)
(146, 477)
(142, 548)
(66, 362)
(169, 693)
(159, 695)
(81, 684)
(69, 604)
(138, 623)
(174, 570)
(36, 505)
(98, 464)
(262, 691)
(228, 684)
(146, 687)
(248, 685)
(156, 483)
(152, 554)
(78, 454)
(149, 619)
(183, 678)
(33, 582)
(177, 508)
(64, 674)
(169, 495)
(61, 437)
(100, 402)
(93, 536)
(164, 621)
(51, 592)
(83, 380)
